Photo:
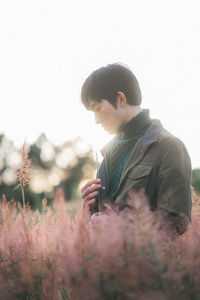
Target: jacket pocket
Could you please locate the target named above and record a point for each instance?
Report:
(140, 171)
(137, 180)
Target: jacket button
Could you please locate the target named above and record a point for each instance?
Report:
(103, 187)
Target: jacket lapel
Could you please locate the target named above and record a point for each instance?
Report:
(142, 145)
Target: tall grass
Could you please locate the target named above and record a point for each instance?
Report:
(23, 174)
(120, 255)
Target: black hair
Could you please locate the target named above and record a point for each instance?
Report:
(106, 82)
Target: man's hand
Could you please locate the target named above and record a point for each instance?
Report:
(89, 193)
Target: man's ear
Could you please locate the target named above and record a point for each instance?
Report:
(121, 99)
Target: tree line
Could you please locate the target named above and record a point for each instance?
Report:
(52, 167)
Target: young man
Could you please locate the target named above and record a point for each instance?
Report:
(142, 154)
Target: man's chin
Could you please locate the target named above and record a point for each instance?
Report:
(109, 130)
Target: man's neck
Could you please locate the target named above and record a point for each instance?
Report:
(132, 111)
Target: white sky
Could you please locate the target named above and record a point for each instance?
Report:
(48, 48)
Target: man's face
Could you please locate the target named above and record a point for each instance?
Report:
(106, 114)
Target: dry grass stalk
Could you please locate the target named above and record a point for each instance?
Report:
(23, 174)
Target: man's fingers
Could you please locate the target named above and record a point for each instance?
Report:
(86, 208)
(90, 190)
(91, 201)
(88, 204)
(91, 196)
(90, 183)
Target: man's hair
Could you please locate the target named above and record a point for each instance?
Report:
(106, 82)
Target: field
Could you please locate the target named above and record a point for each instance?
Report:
(59, 254)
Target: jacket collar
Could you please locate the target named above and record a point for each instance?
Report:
(150, 136)
(136, 125)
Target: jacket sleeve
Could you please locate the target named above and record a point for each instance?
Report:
(174, 183)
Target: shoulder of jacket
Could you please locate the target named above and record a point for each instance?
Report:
(170, 142)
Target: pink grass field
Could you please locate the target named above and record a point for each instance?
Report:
(58, 255)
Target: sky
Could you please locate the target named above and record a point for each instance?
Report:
(48, 48)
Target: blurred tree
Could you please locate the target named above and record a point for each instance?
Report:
(196, 179)
(52, 167)
(76, 174)
(74, 158)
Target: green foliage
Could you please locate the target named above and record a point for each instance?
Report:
(108, 289)
(34, 199)
(64, 294)
(69, 185)
(74, 169)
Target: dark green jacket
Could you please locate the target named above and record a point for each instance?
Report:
(159, 164)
